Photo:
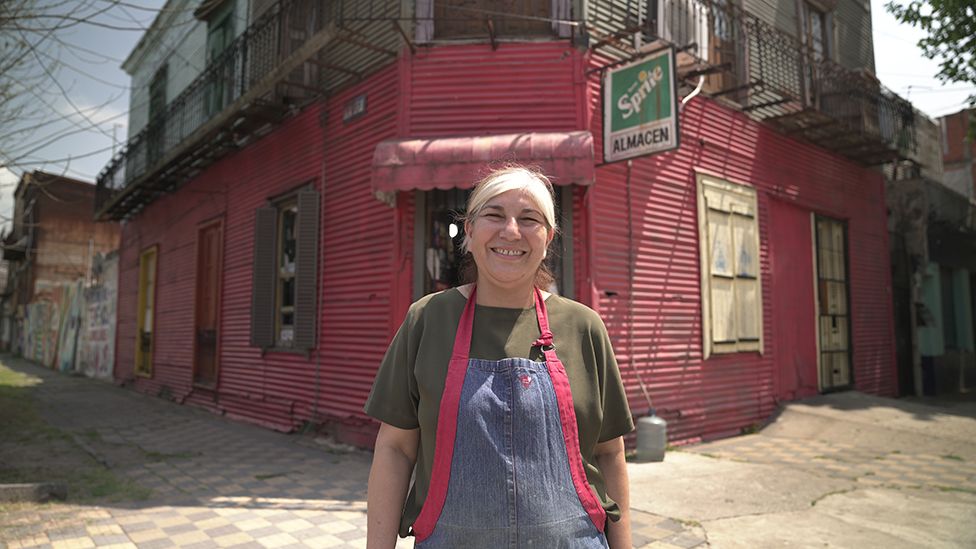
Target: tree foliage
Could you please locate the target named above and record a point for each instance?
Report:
(950, 26)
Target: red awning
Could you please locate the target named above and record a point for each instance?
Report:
(459, 162)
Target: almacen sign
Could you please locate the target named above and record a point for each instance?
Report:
(640, 114)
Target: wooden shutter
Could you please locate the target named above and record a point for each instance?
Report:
(263, 283)
(306, 268)
(746, 243)
(721, 271)
(730, 274)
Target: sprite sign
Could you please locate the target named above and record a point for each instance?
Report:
(640, 108)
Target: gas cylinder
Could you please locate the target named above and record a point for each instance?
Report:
(652, 437)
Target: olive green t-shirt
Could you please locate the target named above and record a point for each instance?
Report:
(410, 381)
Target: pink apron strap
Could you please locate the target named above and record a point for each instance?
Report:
(423, 527)
(567, 418)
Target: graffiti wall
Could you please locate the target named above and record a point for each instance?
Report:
(71, 327)
(41, 324)
(96, 347)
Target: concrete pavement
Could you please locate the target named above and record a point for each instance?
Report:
(846, 470)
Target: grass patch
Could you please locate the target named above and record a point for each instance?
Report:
(751, 429)
(952, 457)
(828, 494)
(35, 451)
(955, 489)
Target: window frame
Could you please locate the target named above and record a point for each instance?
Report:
(748, 194)
(146, 295)
(266, 331)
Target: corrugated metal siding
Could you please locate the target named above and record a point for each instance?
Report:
(358, 257)
(471, 89)
(278, 390)
(854, 41)
(778, 13)
(703, 400)
(791, 242)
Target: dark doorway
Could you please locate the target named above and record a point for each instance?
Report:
(209, 259)
(901, 295)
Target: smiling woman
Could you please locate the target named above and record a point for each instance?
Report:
(510, 223)
(529, 439)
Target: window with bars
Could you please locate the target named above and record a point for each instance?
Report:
(731, 284)
(283, 308)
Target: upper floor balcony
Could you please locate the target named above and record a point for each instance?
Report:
(295, 51)
(791, 82)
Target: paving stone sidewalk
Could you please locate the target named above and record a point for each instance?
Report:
(214, 482)
(849, 461)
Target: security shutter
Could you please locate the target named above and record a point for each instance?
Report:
(263, 283)
(306, 268)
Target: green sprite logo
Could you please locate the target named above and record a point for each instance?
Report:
(638, 108)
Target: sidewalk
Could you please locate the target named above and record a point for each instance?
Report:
(844, 470)
(213, 482)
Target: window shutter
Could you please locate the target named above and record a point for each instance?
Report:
(306, 268)
(262, 284)
(721, 273)
(747, 273)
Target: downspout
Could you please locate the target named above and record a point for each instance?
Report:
(631, 268)
(318, 299)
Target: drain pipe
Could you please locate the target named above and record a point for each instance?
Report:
(652, 431)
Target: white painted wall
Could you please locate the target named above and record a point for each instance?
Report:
(179, 40)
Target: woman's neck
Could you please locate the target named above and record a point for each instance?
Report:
(492, 296)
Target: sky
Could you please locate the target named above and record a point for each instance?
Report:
(89, 94)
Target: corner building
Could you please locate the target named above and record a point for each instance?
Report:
(292, 199)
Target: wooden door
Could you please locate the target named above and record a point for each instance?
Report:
(207, 326)
(832, 304)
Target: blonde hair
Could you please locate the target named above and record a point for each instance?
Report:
(511, 177)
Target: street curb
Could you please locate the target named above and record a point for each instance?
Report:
(33, 492)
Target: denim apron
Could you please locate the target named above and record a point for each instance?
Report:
(507, 466)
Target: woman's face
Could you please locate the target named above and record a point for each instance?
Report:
(508, 240)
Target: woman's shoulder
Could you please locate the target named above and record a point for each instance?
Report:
(573, 311)
(437, 303)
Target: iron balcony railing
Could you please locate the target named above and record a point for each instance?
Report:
(246, 63)
(772, 75)
(161, 154)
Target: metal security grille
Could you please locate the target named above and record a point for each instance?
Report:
(833, 307)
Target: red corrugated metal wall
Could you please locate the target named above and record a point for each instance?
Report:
(646, 274)
(792, 277)
(472, 89)
(278, 390)
(637, 266)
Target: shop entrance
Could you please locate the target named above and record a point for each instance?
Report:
(440, 232)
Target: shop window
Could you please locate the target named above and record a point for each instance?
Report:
(438, 243)
(146, 312)
(731, 285)
(283, 312)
